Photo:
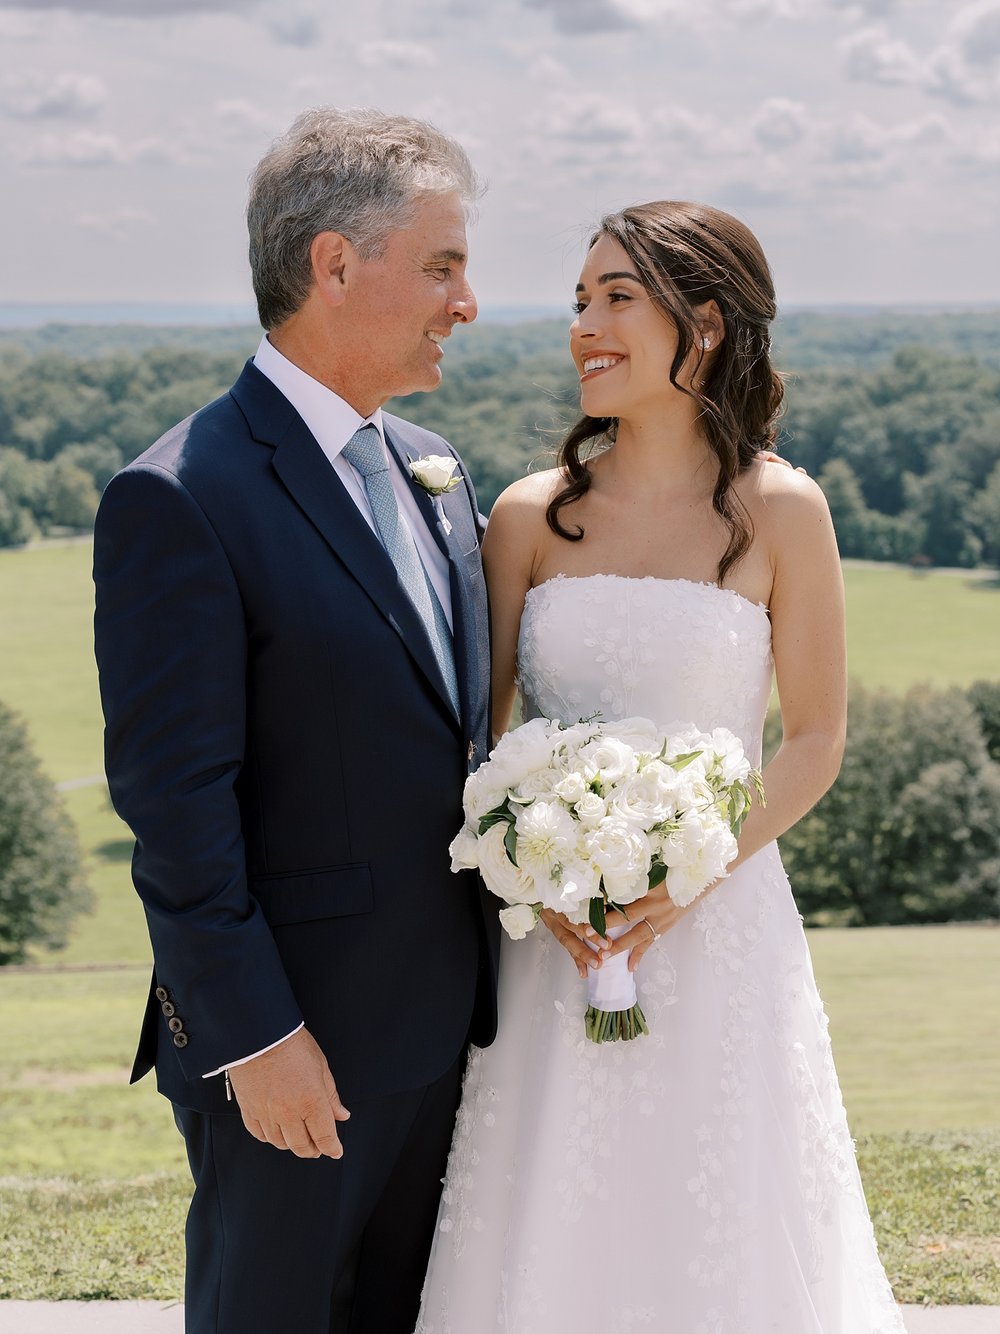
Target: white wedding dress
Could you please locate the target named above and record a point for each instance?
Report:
(701, 1180)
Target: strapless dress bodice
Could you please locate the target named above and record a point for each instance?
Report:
(672, 650)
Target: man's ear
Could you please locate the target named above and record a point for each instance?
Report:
(331, 255)
(711, 325)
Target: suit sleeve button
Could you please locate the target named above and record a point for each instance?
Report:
(175, 1025)
(162, 994)
(168, 1008)
(180, 1039)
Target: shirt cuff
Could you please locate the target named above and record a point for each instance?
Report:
(243, 1059)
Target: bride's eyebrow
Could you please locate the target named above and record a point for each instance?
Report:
(612, 278)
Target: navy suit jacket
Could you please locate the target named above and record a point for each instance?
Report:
(281, 743)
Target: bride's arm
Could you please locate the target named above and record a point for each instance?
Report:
(810, 661)
(510, 553)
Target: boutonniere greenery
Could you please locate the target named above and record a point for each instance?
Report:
(434, 472)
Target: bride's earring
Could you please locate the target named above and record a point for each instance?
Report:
(706, 342)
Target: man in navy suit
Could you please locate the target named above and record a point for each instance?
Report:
(292, 639)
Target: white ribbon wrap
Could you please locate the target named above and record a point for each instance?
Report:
(612, 987)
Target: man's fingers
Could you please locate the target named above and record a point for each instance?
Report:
(299, 1140)
(255, 1128)
(323, 1135)
(340, 1112)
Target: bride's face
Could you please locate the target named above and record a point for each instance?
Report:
(623, 346)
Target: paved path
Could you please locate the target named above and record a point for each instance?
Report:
(156, 1318)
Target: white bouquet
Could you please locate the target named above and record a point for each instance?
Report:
(590, 816)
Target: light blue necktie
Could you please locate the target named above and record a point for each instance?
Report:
(366, 453)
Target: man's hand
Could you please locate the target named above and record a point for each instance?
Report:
(288, 1098)
(768, 456)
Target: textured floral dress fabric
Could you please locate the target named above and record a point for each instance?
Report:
(701, 1180)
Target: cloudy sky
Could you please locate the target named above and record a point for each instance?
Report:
(859, 138)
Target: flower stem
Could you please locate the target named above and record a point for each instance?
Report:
(615, 1025)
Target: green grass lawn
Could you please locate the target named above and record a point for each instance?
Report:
(904, 628)
(92, 1177)
(913, 1023)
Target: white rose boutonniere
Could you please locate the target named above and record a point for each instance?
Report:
(434, 472)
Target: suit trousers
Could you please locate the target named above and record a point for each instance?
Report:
(284, 1245)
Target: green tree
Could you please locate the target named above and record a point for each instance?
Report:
(938, 506)
(910, 831)
(41, 884)
(984, 696)
(71, 498)
(984, 517)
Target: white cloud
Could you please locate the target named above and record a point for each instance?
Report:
(682, 128)
(592, 119)
(89, 148)
(401, 55)
(586, 16)
(873, 56)
(874, 9)
(779, 123)
(135, 9)
(31, 97)
(548, 70)
(83, 148)
(964, 68)
(296, 29)
(118, 224)
(977, 34)
(245, 117)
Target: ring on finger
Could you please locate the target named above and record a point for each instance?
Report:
(656, 934)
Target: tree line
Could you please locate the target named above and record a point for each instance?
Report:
(905, 440)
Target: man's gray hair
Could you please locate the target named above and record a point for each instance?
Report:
(360, 173)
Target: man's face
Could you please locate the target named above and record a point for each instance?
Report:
(404, 303)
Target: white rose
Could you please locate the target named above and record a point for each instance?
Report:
(591, 810)
(647, 798)
(609, 757)
(509, 882)
(518, 920)
(481, 795)
(622, 854)
(520, 753)
(696, 855)
(578, 884)
(571, 788)
(729, 757)
(541, 783)
(546, 838)
(434, 473)
(638, 733)
(464, 850)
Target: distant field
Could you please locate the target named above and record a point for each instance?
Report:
(903, 628)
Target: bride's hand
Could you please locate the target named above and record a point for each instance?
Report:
(573, 939)
(651, 916)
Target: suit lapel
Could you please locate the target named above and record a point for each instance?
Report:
(311, 480)
(466, 629)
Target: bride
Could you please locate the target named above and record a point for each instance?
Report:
(702, 1179)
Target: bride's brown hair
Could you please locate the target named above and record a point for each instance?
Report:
(687, 254)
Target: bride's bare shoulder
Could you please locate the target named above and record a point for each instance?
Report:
(524, 503)
(772, 490)
(534, 490)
